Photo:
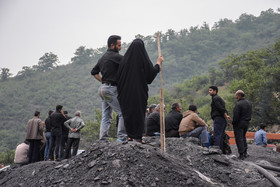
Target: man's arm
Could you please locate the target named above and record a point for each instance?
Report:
(199, 121)
(220, 108)
(67, 124)
(264, 139)
(81, 125)
(235, 114)
(98, 77)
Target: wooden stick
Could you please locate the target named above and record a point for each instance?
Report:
(162, 121)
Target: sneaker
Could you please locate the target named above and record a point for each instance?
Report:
(123, 141)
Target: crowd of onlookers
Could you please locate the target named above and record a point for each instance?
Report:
(55, 138)
(189, 124)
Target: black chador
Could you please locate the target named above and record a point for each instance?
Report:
(135, 72)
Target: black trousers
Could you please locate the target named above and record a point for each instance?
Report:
(172, 133)
(33, 152)
(63, 145)
(55, 147)
(72, 142)
(240, 131)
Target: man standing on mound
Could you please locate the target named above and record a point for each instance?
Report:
(108, 66)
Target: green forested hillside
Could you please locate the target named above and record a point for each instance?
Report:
(188, 53)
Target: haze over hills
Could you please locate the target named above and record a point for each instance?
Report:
(187, 53)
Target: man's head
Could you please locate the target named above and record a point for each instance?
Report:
(65, 113)
(158, 107)
(193, 108)
(50, 112)
(37, 114)
(59, 108)
(114, 43)
(78, 113)
(176, 106)
(152, 108)
(213, 90)
(262, 126)
(239, 94)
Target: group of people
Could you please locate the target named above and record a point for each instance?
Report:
(52, 139)
(189, 124)
(124, 89)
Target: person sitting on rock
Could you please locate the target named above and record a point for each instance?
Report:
(172, 121)
(21, 154)
(193, 126)
(153, 122)
(260, 136)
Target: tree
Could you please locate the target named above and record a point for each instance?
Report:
(83, 55)
(47, 62)
(5, 74)
(25, 72)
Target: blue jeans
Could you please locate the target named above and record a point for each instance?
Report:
(219, 131)
(48, 145)
(199, 132)
(109, 96)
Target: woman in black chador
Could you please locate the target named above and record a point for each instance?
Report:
(135, 72)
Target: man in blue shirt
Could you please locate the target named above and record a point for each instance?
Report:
(260, 136)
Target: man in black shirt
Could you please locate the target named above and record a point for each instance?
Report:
(172, 121)
(48, 136)
(108, 66)
(241, 117)
(64, 136)
(219, 116)
(57, 121)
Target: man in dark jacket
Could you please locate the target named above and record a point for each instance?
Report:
(153, 122)
(219, 115)
(48, 136)
(57, 121)
(241, 117)
(64, 136)
(172, 121)
(34, 135)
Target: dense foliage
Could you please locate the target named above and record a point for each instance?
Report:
(188, 53)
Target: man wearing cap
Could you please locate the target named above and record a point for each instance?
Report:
(242, 113)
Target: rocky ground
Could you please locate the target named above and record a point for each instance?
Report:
(184, 163)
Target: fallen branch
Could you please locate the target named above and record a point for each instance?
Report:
(265, 173)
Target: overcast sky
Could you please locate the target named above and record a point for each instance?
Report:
(30, 28)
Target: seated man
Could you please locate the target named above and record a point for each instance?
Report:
(21, 154)
(150, 110)
(172, 121)
(260, 136)
(193, 126)
(153, 122)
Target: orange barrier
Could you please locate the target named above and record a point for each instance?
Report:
(251, 135)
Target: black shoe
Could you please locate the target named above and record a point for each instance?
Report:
(241, 157)
(246, 155)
